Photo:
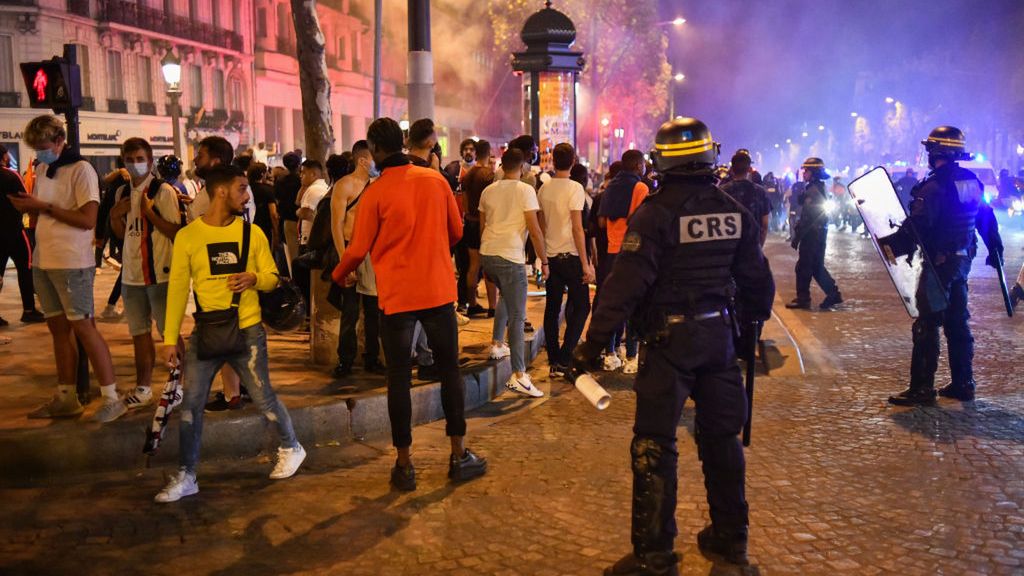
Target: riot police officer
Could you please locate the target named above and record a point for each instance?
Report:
(946, 212)
(687, 250)
(810, 236)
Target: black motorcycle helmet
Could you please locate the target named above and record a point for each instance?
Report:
(169, 167)
(816, 166)
(946, 142)
(283, 308)
(684, 146)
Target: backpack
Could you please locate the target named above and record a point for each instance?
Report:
(320, 234)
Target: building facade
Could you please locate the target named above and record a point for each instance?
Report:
(120, 44)
(348, 33)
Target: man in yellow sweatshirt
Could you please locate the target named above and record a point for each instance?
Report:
(207, 257)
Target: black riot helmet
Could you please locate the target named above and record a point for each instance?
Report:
(816, 168)
(946, 142)
(169, 167)
(684, 146)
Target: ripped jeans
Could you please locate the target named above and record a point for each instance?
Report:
(251, 367)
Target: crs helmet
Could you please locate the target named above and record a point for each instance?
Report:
(684, 146)
(169, 167)
(816, 167)
(283, 308)
(947, 142)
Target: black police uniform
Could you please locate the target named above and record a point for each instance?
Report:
(752, 196)
(810, 237)
(685, 252)
(946, 211)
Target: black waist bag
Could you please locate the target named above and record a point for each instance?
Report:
(217, 333)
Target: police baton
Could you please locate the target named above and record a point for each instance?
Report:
(753, 336)
(1002, 286)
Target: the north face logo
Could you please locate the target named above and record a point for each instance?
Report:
(223, 258)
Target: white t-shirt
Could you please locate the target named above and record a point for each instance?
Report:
(59, 245)
(314, 193)
(557, 199)
(201, 203)
(153, 265)
(503, 205)
(260, 155)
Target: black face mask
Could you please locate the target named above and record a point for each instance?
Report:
(467, 158)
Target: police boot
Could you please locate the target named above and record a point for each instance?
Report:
(730, 547)
(654, 506)
(799, 304)
(961, 392)
(914, 397)
(831, 300)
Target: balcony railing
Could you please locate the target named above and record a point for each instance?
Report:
(129, 13)
(88, 103)
(79, 7)
(10, 100)
(147, 108)
(117, 106)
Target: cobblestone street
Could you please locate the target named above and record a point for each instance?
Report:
(839, 482)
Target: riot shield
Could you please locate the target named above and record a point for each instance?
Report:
(909, 267)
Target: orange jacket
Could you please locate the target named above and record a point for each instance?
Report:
(408, 221)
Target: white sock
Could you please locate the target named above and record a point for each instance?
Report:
(143, 390)
(109, 391)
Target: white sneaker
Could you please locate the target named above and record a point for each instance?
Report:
(112, 409)
(631, 366)
(110, 314)
(288, 462)
(138, 398)
(461, 319)
(181, 484)
(499, 351)
(612, 362)
(523, 385)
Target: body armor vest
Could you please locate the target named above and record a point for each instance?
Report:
(696, 269)
(955, 195)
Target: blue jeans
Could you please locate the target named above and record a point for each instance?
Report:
(510, 314)
(251, 367)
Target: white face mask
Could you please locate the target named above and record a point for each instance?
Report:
(138, 169)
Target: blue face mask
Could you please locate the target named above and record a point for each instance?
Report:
(374, 173)
(46, 156)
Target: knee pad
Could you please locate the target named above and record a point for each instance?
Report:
(652, 457)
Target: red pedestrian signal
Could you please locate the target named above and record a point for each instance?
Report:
(52, 84)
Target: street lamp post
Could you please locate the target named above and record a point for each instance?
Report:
(170, 65)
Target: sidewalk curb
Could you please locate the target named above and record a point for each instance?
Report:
(28, 456)
(816, 359)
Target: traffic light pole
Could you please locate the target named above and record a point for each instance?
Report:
(71, 112)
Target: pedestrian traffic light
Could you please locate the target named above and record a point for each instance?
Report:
(53, 84)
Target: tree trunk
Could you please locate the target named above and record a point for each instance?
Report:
(313, 80)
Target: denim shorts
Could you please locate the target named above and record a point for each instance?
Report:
(143, 305)
(65, 292)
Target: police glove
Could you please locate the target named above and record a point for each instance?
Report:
(994, 260)
(795, 243)
(585, 357)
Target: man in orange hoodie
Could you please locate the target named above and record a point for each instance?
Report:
(408, 221)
